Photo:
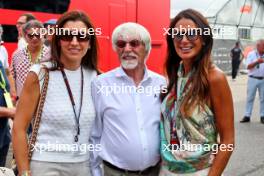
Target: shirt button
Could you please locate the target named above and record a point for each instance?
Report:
(141, 128)
(138, 109)
(144, 149)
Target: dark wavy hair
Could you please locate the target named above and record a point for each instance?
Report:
(90, 59)
(199, 90)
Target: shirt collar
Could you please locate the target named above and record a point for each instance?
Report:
(121, 73)
(258, 55)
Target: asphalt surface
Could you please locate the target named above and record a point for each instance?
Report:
(248, 156)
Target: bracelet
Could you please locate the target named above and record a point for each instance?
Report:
(26, 173)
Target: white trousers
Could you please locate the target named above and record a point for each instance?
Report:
(43, 168)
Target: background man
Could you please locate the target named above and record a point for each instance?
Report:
(23, 19)
(235, 54)
(5, 114)
(255, 81)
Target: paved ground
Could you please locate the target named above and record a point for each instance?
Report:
(248, 156)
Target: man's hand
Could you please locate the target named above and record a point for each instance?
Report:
(260, 60)
(14, 98)
(7, 112)
(11, 112)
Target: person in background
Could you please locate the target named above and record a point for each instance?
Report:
(197, 131)
(33, 53)
(4, 60)
(236, 54)
(68, 111)
(127, 122)
(255, 82)
(23, 19)
(5, 113)
(49, 25)
(3, 52)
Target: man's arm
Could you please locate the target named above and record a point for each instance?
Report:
(255, 63)
(231, 53)
(96, 132)
(12, 83)
(252, 61)
(7, 112)
(242, 54)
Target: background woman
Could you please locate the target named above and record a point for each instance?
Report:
(198, 105)
(33, 53)
(62, 142)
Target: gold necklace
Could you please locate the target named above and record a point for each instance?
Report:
(37, 59)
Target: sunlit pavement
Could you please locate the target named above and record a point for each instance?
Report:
(248, 156)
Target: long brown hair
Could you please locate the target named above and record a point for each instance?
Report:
(198, 93)
(90, 59)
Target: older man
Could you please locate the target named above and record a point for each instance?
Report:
(127, 107)
(23, 19)
(255, 66)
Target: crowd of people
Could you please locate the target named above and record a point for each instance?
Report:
(182, 130)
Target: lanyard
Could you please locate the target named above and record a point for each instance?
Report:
(2, 82)
(77, 118)
(179, 95)
(37, 59)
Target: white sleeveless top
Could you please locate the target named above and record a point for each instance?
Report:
(55, 139)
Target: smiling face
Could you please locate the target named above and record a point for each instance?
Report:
(187, 49)
(33, 38)
(131, 52)
(72, 51)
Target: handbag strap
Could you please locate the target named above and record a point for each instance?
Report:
(36, 120)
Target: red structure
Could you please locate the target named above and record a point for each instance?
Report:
(105, 14)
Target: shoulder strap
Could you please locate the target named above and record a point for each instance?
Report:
(37, 116)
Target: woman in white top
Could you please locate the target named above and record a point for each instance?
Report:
(62, 142)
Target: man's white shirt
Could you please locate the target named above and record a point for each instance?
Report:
(127, 120)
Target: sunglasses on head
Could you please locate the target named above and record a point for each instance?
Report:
(80, 37)
(31, 36)
(132, 43)
(191, 35)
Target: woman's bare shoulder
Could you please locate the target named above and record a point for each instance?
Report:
(31, 81)
(216, 76)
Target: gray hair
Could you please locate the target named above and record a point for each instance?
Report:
(32, 24)
(132, 30)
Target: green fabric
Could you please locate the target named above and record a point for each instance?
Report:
(198, 130)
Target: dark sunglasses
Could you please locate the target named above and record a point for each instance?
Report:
(31, 36)
(191, 35)
(132, 43)
(80, 37)
(20, 23)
